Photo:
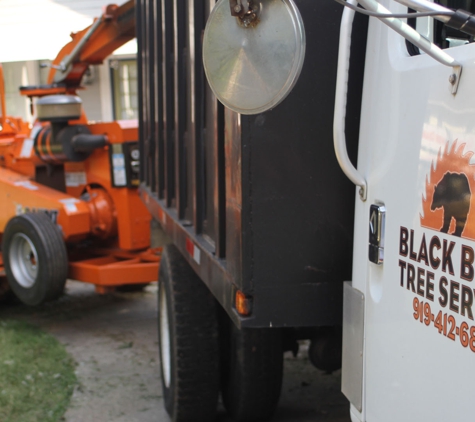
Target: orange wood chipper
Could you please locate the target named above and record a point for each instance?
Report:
(68, 188)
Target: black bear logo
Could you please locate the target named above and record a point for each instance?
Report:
(453, 194)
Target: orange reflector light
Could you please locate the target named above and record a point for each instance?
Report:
(243, 304)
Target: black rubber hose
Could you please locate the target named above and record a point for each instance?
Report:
(86, 143)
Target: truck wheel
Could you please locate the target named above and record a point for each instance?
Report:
(188, 338)
(251, 373)
(35, 258)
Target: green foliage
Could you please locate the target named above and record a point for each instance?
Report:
(36, 374)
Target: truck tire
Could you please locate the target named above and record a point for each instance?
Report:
(35, 258)
(188, 339)
(251, 372)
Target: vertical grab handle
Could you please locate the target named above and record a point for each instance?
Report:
(339, 137)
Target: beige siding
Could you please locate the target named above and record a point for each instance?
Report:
(16, 75)
(91, 96)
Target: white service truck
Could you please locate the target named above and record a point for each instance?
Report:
(409, 330)
(261, 215)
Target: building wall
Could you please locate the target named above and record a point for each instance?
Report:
(91, 95)
(18, 74)
(97, 95)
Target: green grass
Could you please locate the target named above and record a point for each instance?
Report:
(36, 374)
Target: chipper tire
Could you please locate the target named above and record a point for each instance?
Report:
(251, 372)
(35, 258)
(188, 338)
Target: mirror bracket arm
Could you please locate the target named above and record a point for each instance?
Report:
(238, 7)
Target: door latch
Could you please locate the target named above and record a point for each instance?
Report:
(377, 220)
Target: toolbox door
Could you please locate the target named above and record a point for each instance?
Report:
(417, 145)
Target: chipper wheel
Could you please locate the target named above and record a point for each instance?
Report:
(251, 371)
(188, 337)
(35, 258)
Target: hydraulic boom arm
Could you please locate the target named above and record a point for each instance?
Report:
(92, 45)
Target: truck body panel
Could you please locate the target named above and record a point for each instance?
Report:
(261, 199)
(416, 146)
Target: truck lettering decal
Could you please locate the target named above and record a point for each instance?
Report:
(447, 203)
(445, 323)
(466, 264)
(436, 261)
(439, 274)
(52, 214)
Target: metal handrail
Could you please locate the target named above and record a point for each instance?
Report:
(409, 33)
(339, 137)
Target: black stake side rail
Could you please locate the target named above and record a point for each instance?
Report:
(255, 203)
(182, 138)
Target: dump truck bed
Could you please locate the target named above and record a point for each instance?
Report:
(255, 203)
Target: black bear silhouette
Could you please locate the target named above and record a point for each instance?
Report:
(453, 194)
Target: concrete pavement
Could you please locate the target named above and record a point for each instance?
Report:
(113, 339)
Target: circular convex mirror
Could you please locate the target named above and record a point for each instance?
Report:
(252, 62)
